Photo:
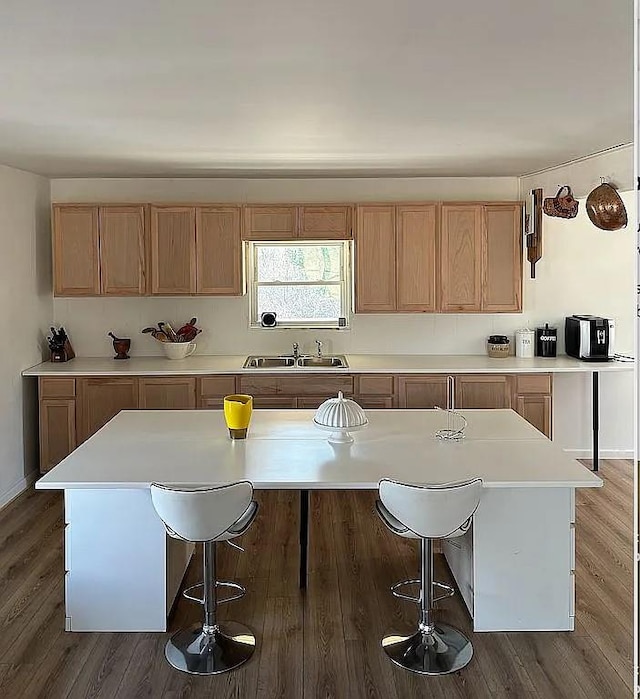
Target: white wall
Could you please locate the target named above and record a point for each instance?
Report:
(587, 270)
(26, 310)
(225, 321)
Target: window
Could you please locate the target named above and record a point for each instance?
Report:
(306, 284)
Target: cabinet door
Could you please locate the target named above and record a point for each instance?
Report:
(76, 265)
(173, 250)
(57, 431)
(484, 391)
(218, 251)
(375, 252)
(502, 282)
(100, 399)
(421, 391)
(122, 250)
(461, 258)
(172, 393)
(536, 409)
(212, 389)
(416, 258)
(325, 222)
(270, 222)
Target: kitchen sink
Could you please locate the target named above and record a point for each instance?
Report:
(335, 362)
(269, 362)
(288, 361)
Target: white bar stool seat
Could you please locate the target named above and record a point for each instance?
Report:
(208, 515)
(426, 513)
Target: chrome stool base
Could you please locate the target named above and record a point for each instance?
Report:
(441, 652)
(198, 653)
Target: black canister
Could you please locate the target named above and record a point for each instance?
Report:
(546, 341)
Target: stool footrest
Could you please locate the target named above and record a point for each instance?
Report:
(401, 595)
(187, 593)
(448, 591)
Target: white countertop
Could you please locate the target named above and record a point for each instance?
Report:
(284, 450)
(358, 364)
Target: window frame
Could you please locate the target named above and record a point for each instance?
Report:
(345, 283)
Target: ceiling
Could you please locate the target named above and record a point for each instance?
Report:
(411, 87)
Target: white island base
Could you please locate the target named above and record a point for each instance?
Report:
(515, 569)
(123, 572)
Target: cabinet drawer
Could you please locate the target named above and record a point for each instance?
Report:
(212, 403)
(217, 386)
(315, 385)
(57, 388)
(275, 402)
(258, 385)
(309, 385)
(374, 402)
(374, 385)
(533, 383)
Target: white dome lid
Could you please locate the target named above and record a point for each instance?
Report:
(340, 413)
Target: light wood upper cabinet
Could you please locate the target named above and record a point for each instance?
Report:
(122, 250)
(486, 391)
(218, 251)
(461, 257)
(76, 261)
(502, 263)
(99, 399)
(270, 222)
(375, 249)
(325, 222)
(173, 250)
(169, 393)
(416, 258)
(422, 391)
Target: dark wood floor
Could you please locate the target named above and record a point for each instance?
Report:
(324, 643)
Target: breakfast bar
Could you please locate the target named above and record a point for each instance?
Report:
(514, 568)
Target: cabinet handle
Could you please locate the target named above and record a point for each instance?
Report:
(450, 393)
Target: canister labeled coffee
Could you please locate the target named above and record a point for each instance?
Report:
(546, 341)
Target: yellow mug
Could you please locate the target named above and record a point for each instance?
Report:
(237, 414)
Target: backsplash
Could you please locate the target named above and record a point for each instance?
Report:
(225, 330)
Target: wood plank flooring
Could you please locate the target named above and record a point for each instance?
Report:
(323, 643)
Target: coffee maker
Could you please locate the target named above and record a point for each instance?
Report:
(589, 338)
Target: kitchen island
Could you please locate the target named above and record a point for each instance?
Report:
(514, 569)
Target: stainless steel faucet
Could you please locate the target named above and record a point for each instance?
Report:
(319, 343)
(295, 347)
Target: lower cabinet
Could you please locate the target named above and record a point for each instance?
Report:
(482, 391)
(99, 399)
(533, 400)
(57, 431)
(172, 393)
(423, 391)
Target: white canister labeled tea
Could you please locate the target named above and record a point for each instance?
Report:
(525, 346)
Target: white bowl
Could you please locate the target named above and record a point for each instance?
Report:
(340, 416)
(178, 350)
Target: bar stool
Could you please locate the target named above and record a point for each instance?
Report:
(208, 515)
(427, 513)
